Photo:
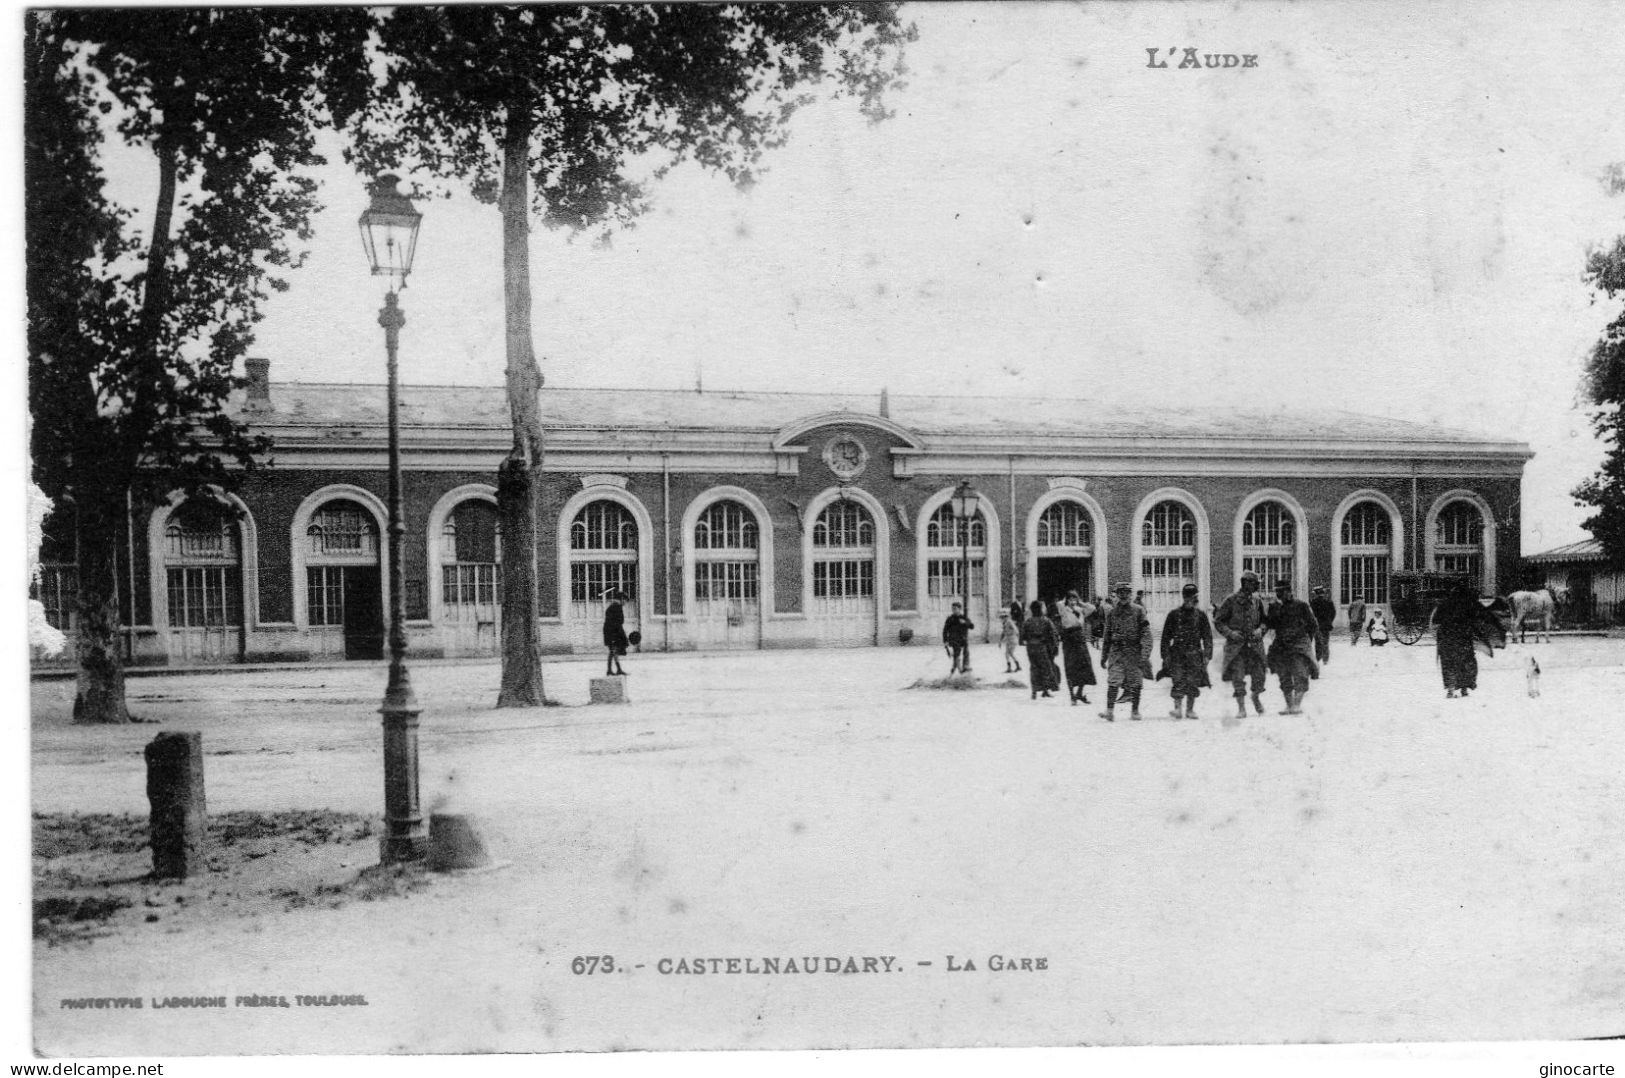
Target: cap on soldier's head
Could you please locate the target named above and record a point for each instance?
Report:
(1248, 574)
(1123, 585)
(1283, 582)
(1188, 590)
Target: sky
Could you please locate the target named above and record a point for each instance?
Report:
(1388, 213)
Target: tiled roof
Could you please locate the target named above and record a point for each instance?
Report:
(307, 403)
(1584, 550)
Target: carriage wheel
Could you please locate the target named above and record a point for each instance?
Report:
(1409, 634)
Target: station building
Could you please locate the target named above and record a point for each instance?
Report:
(761, 520)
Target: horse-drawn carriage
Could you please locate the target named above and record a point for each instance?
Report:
(1413, 597)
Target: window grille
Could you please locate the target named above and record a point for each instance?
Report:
(726, 525)
(1169, 524)
(1065, 524)
(844, 524)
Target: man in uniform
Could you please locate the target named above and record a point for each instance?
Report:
(1125, 652)
(1325, 614)
(1241, 619)
(1187, 647)
(1292, 652)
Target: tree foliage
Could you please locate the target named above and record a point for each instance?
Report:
(134, 335)
(1603, 384)
(571, 112)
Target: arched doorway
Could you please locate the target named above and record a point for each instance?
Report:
(1167, 557)
(1065, 548)
(1365, 555)
(1269, 539)
(344, 606)
(203, 583)
(844, 609)
(471, 578)
(603, 559)
(727, 585)
(945, 553)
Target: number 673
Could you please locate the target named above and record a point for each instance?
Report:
(592, 963)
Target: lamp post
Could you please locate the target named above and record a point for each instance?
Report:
(965, 503)
(389, 230)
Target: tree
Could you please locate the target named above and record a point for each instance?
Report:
(591, 103)
(1603, 384)
(133, 339)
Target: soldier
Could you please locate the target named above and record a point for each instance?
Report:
(1125, 652)
(1187, 648)
(1325, 614)
(1292, 652)
(1241, 619)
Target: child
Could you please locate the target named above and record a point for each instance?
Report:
(1376, 630)
(1009, 635)
(956, 639)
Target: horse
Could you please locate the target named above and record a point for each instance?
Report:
(1539, 605)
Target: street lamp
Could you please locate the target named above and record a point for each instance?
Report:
(389, 231)
(965, 503)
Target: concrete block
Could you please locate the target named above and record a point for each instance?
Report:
(179, 819)
(609, 690)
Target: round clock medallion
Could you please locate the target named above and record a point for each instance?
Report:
(845, 456)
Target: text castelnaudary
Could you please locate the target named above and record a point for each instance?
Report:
(808, 964)
(1193, 59)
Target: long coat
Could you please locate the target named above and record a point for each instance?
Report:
(1080, 669)
(615, 628)
(1187, 648)
(1463, 628)
(1125, 646)
(1241, 619)
(1038, 633)
(1292, 652)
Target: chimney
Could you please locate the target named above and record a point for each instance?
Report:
(259, 383)
(885, 404)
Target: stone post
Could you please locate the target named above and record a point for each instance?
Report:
(175, 792)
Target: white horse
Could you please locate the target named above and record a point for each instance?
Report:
(1537, 605)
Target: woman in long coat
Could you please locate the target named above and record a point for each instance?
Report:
(614, 633)
(1080, 670)
(1042, 641)
(1462, 627)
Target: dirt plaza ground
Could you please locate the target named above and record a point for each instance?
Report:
(1391, 866)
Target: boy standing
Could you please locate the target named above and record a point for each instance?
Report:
(956, 638)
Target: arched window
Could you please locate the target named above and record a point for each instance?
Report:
(726, 525)
(726, 538)
(1167, 556)
(202, 561)
(1458, 540)
(343, 528)
(1268, 535)
(603, 552)
(1066, 524)
(343, 538)
(945, 536)
(844, 552)
(1367, 554)
(844, 524)
(470, 555)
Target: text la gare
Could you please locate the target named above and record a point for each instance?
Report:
(998, 963)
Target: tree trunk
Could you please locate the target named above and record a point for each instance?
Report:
(99, 696)
(100, 692)
(518, 481)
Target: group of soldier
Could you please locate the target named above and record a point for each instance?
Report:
(1298, 631)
